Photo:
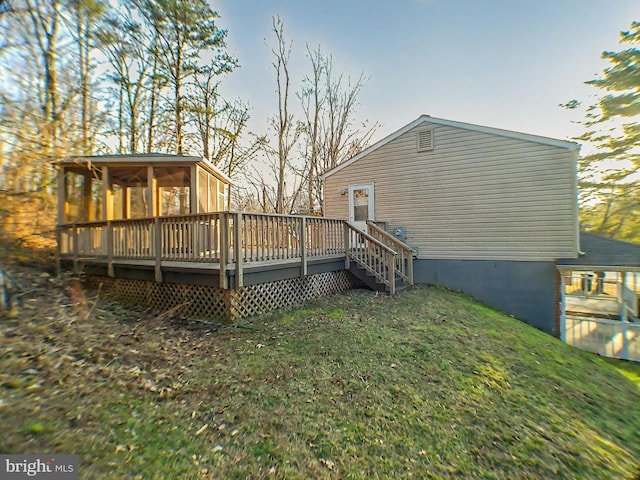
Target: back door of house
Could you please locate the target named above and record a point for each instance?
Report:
(361, 204)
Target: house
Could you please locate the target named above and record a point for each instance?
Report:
(487, 211)
(599, 308)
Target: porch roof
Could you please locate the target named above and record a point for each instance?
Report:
(603, 253)
(139, 159)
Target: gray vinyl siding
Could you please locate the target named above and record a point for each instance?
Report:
(475, 196)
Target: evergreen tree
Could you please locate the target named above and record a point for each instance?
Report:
(610, 177)
(189, 44)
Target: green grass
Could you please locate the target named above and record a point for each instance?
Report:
(426, 384)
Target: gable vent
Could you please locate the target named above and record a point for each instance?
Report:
(425, 140)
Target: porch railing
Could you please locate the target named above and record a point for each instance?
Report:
(610, 338)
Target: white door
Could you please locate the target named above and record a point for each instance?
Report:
(361, 204)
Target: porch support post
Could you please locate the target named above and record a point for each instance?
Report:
(303, 246)
(563, 308)
(237, 248)
(194, 207)
(152, 192)
(621, 298)
(62, 195)
(107, 194)
(87, 199)
(126, 202)
(623, 317)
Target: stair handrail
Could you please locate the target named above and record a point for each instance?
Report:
(381, 266)
(405, 252)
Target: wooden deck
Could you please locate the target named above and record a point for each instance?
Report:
(232, 249)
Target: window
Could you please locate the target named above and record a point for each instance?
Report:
(425, 140)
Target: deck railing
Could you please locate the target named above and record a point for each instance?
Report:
(404, 256)
(235, 240)
(231, 239)
(372, 255)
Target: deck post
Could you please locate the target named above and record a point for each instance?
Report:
(224, 249)
(58, 251)
(237, 248)
(110, 270)
(303, 246)
(76, 247)
(157, 231)
(109, 245)
(347, 260)
(410, 267)
(392, 272)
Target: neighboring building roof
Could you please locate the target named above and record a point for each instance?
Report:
(467, 126)
(144, 158)
(600, 251)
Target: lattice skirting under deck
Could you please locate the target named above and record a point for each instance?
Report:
(199, 301)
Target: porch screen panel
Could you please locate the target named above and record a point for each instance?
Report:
(203, 191)
(74, 194)
(138, 207)
(213, 196)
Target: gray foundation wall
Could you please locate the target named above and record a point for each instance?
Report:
(526, 290)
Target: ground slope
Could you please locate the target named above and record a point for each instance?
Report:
(426, 384)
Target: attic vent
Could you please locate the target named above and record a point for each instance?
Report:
(425, 140)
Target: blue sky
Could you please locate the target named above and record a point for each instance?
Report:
(501, 63)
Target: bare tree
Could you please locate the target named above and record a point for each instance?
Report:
(283, 123)
(313, 99)
(329, 102)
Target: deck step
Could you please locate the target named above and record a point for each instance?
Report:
(369, 280)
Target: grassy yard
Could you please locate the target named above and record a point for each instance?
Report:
(426, 384)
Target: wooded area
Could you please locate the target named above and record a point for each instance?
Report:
(89, 77)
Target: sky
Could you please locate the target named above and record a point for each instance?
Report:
(500, 63)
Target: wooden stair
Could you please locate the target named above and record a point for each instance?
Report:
(370, 281)
(378, 259)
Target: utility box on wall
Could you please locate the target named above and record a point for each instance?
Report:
(400, 233)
